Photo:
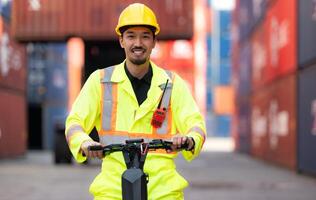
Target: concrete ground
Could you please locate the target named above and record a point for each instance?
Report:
(217, 174)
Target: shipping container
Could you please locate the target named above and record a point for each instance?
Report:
(222, 126)
(47, 72)
(245, 18)
(5, 10)
(13, 60)
(225, 72)
(274, 44)
(281, 32)
(306, 32)
(307, 120)
(242, 125)
(13, 130)
(54, 114)
(223, 100)
(243, 73)
(225, 28)
(259, 56)
(274, 122)
(60, 19)
(36, 67)
(251, 13)
(176, 56)
(259, 125)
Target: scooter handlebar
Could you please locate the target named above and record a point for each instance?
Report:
(152, 145)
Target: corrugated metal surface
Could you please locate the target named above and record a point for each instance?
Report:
(307, 32)
(243, 72)
(259, 125)
(57, 73)
(176, 56)
(13, 132)
(5, 9)
(13, 60)
(274, 44)
(47, 76)
(281, 32)
(307, 120)
(250, 14)
(242, 123)
(52, 114)
(223, 126)
(59, 19)
(259, 57)
(274, 122)
(36, 88)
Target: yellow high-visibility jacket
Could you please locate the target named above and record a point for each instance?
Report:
(164, 181)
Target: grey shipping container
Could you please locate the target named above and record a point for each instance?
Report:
(307, 32)
(307, 120)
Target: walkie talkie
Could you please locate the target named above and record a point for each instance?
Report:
(160, 113)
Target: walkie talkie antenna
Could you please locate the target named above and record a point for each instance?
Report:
(163, 93)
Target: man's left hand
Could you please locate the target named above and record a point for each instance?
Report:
(179, 140)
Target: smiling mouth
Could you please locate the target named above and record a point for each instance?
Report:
(138, 51)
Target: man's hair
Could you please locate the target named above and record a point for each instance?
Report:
(151, 28)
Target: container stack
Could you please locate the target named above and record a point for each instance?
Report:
(276, 38)
(306, 86)
(47, 89)
(219, 83)
(13, 119)
(57, 20)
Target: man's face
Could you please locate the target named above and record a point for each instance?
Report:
(138, 43)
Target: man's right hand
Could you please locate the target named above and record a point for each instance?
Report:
(91, 154)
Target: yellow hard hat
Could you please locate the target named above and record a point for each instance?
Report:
(137, 14)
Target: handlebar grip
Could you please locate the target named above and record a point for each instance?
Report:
(95, 148)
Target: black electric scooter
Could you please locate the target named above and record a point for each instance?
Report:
(134, 180)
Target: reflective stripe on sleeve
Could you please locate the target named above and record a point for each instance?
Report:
(72, 130)
(198, 130)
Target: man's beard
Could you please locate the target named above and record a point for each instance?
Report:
(138, 61)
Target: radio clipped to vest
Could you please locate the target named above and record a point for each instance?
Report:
(159, 115)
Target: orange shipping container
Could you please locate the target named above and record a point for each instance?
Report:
(60, 19)
(223, 100)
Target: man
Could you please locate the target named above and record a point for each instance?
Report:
(120, 101)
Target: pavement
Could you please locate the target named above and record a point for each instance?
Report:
(217, 174)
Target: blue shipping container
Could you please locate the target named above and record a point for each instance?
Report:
(225, 34)
(5, 10)
(47, 73)
(223, 126)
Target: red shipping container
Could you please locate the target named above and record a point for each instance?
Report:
(281, 27)
(176, 56)
(12, 61)
(97, 19)
(13, 132)
(274, 44)
(259, 125)
(274, 117)
(259, 59)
